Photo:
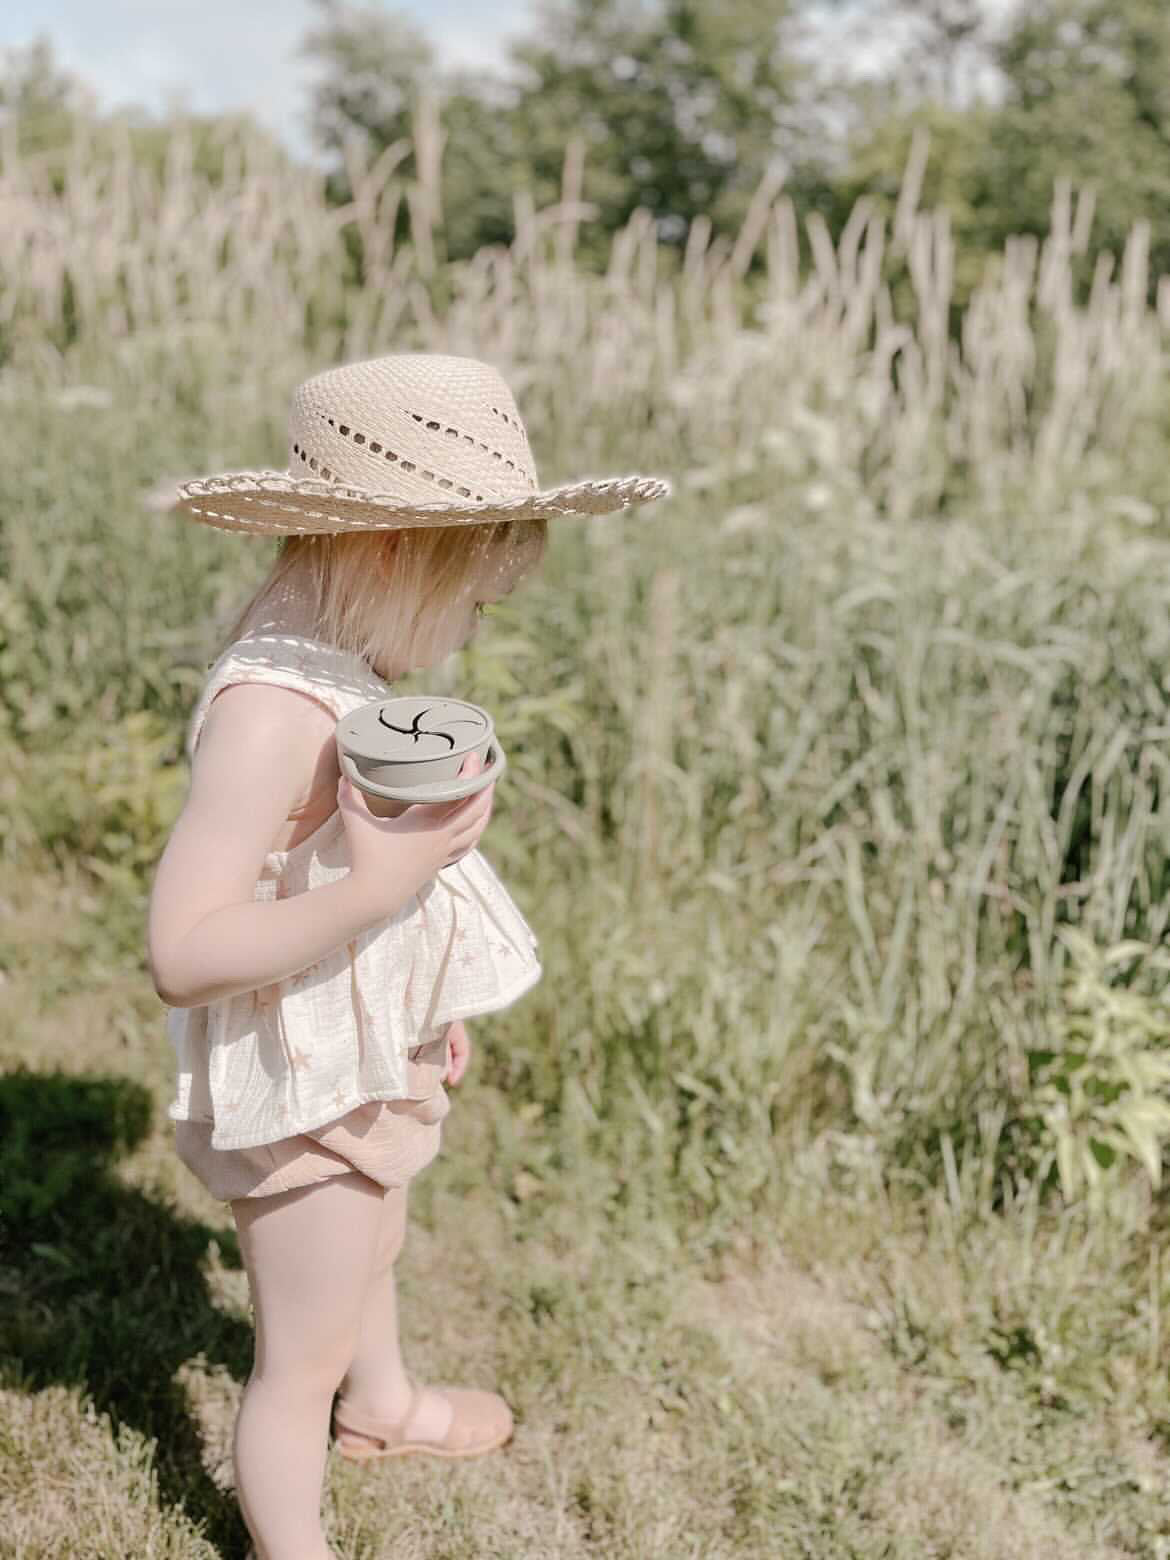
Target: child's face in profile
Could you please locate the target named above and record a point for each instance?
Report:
(498, 578)
(497, 573)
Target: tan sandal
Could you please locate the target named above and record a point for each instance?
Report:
(480, 1422)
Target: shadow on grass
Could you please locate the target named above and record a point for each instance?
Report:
(102, 1287)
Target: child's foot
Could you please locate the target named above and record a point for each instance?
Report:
(252, 1555)
(445, 1421)
(426, 1418)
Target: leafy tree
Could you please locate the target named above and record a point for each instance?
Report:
(39, 102)
(1082, 91)
(680, 107)
(1087, 95)
(376, 66)
(372, 63)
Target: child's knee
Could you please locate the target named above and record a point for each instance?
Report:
(316, 1371)
(310, 1354)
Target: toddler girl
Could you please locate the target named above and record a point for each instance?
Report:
(318, 961)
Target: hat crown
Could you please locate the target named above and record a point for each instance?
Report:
(423, 426)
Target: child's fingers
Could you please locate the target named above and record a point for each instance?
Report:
(459, 1056)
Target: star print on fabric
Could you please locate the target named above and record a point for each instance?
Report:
(338, 1097)
(300, 1059)
(466, 958)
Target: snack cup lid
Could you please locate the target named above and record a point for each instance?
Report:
(412, 729)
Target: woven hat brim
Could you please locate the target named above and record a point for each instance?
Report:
(277, 504)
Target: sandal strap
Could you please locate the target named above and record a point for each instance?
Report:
(348, 1418)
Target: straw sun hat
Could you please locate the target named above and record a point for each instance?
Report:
(415, 439)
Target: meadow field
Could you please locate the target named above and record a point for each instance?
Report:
(811, 1205)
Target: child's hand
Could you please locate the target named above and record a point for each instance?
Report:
(459, 1043)
(395, 856)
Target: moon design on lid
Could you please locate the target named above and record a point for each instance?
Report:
(413, 730)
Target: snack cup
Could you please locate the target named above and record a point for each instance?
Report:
(410, 749)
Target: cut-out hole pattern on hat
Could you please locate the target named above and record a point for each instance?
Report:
(519, 426)
(407, 465)
(376, 447)
(467, 438)
(311, 461)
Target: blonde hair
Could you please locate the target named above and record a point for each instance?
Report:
(385, 595)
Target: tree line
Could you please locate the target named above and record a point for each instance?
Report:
(682, 107)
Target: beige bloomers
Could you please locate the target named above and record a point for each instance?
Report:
(388, 1140)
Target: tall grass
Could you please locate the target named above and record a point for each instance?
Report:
(838, 785)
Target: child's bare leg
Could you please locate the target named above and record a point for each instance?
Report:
(376, 1381)
(308, 1254)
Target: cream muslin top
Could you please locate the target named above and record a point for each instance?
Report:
(268, 1064)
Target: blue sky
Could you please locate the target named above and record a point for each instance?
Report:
(210, 55)
(220, 54)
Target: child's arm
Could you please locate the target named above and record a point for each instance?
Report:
(261, 751)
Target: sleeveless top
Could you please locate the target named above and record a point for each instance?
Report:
(270, 1063)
